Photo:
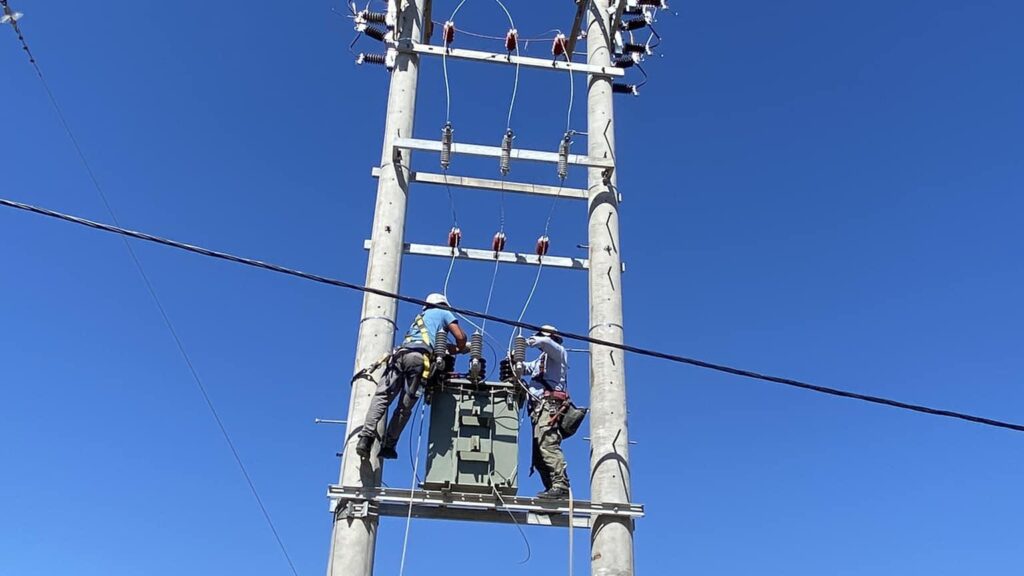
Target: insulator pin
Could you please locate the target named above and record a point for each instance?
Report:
(476, 346)
(634, 48)
(441, 343)
(370, 16)
(631, 89)
(375, 32)
(559, 45)
(512, 40)
(448, 33)
(543, 243)
(365, 58)
(505, 164)
(633, 24)
(563, 156)
(519, 349)
(622, 61)
(447, 134)
(498, 243)
(454, 238)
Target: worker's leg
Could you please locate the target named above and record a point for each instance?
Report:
(538, 460)
(389, 386)
(411, 366)
(551, 447)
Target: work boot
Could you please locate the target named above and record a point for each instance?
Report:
(364, 446)
(555, 493)
(388, 453)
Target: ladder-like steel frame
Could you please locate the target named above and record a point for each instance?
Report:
(357, 502)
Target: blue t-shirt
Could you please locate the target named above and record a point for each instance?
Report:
(433, 320)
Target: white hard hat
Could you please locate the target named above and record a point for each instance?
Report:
(547, 330)
(437, 299)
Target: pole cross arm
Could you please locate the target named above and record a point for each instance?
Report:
(607, 164)
(475, 55)
(490, 256)
(495, 185)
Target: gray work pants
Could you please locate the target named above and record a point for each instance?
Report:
(548, 458)
(404, 375)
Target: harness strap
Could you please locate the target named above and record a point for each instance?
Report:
(424, 335)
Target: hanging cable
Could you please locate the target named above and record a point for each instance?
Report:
(412, 492)
(651, 353)
(9, 13)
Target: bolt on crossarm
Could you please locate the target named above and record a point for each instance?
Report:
(611, 538)
(354, 538)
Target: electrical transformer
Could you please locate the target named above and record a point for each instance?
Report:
(474, 437)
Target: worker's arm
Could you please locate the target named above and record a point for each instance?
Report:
(460, 339)
(545, 344)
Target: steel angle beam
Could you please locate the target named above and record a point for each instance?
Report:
(474, 507)
(577, 26)
(495, 152)
(478, 56)
(489, 256)
(496, 185)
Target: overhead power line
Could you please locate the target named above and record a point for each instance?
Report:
(149, 288)
(519, 324)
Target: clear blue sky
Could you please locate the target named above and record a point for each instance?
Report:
(825, 190)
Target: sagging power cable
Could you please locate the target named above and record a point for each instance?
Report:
(678, 359)
(11, 17)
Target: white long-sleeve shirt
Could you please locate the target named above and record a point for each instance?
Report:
(551, 369)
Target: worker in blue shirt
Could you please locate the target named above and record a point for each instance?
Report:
(406, 371)
(546, 377)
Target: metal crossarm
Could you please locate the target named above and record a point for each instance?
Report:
(361, 502)
(490, 256)
(495, 152)
(496, 185)
(478, 56)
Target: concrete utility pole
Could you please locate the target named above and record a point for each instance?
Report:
(354, 539)
(611, 539)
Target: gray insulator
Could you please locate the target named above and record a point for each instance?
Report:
(563, 157)
(446, 145)
(519, 349)
(506, 153)
(441, 343)
(476, 346)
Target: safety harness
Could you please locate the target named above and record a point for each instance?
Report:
(387, 359)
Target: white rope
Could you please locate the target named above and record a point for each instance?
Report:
(412, 491)
(571, 522)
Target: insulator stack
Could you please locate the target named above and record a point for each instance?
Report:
(634, 48)
(512, 40)
(622, 61)
(446, 145)
(543, 243)
(559, 45)
(519, 349)
(563, 156)
(375, 17)
(375, 32)
(476, 346)
(498, 243)
(441, 343)
(365, 58)
(633, 24)
(631, 89)
(454, 237)
(506, 153)
(448, 32)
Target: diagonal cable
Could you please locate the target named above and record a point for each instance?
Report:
(153, 294)
(519, 324)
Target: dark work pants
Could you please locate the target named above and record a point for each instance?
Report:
(403, 376)
(548, 458)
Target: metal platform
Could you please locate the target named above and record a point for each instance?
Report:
(355, 502)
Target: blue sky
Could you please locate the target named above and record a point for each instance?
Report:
(817, 189)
